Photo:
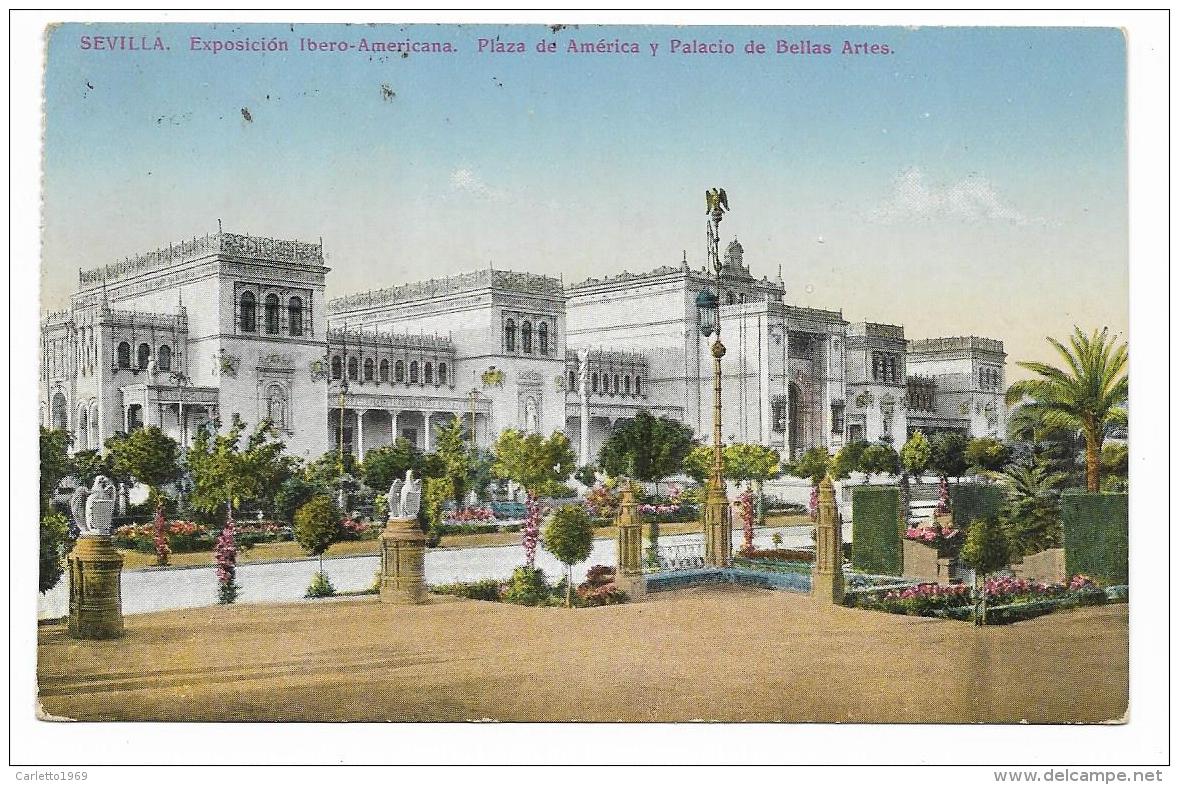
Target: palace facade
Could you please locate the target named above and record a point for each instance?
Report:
(231, 324)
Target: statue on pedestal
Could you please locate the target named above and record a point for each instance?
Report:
(403, 545)
(95, 567)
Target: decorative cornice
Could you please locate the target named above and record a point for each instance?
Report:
(527, 283)
(267, 248)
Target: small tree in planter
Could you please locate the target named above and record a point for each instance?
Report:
(317, 528)
(986, 550)
(569, 536)
(915, 455)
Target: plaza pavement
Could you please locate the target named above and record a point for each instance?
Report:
(723, 653)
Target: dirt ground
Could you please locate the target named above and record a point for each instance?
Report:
(725, 654)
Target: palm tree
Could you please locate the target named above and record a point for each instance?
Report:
(1032, 518)
(1088, 396)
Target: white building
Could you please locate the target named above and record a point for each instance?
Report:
(229, 324)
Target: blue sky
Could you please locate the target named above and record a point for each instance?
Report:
(972, 182)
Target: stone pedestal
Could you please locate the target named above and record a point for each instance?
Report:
(96, 598)
(403, 562)
(827, 581)
(628, 574)
(718, 527)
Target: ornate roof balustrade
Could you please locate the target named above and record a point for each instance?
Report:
(956, 343)
(338, 337)
(268, 248)
(529, 283)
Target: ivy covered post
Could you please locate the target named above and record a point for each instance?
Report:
(629, 572)
(827, 582)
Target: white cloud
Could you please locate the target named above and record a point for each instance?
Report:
(971, 200)
(467, 181)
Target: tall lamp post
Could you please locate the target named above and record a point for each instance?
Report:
(718, 543)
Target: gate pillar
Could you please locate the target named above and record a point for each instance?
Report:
(628, 573)
(827, 581)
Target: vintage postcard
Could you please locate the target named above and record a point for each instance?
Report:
(584, 373)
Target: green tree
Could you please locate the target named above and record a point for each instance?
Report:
(1115, 466)
(533, 462)
(986, 550)
(54, 526)
(1089, 394)
(1031, 516)
(454, 452)
(753, 464)
(811, 465)
(985, 454)
(317, 526)
(1028, 426)
(947, 454)
(89, 464)
(148, 456)
(55, 463)
(382, 465)
(229, 470)
(569, 536)
(327, 470)
(878, 459)
(697, 464)
(294, 492)
(847, 460)
(915, 454)
(647, 448)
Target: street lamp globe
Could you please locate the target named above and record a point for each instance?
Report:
(706, 304)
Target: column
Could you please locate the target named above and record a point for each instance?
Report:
(360, 434)
(584, 458)
(827, 582)
(429, 437)
(126, 418)
(393, 425)
(628, 573)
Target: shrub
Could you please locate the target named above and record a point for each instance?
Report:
(528, 586)
(876, 539)
(321, 586)
(54, 527)
(569, 536)
(607, 594)
(487, 590)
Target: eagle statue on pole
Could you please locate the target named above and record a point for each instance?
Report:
(716, 199)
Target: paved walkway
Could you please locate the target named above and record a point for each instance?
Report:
(707, 653)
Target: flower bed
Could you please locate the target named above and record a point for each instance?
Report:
(182, 536)
(530, 586)
(1008, 599)
(776, 560)
(945, 537)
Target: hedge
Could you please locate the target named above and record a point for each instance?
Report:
(876, 533)
(1096, 536)
(972, 502)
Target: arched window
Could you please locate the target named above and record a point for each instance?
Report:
(442, 373)
(276, 406)
(616, 384)
(248, 318)
(399, 371)
(428, 373)
(638, 385)
(594, 379)
(510, 335)
(526, 337)
(164, 358)
(413, 372)
(626, 384)
(143, 356)
(83, 428)
(542, 337)
(384, 370)
(57, 412)
(272, 314)
(124, 358)
(337, 367)
(353, 369)
(368, 369)
(295, 316)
